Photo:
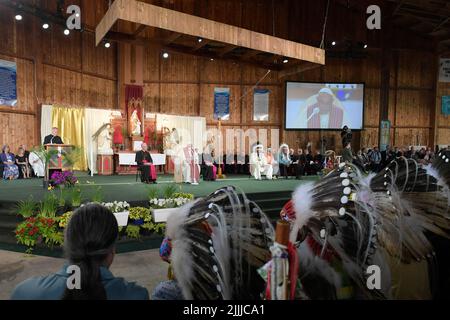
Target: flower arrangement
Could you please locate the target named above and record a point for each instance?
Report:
(64, 219)
(117, 206)
(63, 178)
(178, 199)
(36, 230)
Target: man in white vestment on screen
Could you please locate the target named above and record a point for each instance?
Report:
(322, 111)
(258, 163)
(191, 170)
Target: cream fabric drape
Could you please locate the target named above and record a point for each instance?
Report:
(190, 129)
(95, 118)
(46, 120)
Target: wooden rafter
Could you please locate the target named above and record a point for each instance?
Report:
(162, 18)
(226, 49)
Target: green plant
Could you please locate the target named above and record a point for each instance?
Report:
(75, 197)
(73, 156)
(45, 156)
(36, 230)
(183, 195)
(152, 193)
(169, 191)
(64, 219)
(98, 195)
(133, 231)
(26, 208)
(48, 207)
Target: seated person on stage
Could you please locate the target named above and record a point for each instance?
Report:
(300, 165)
(191, 171)
(22, 163)
(145, 163)
(53, 138)
(209, 168)
(270, 163)
(10, 169)
(258, 163)
(318, 162)
(284, 160)
(37, 164)
(90, 241)
(309, 165)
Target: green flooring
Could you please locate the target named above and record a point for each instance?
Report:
(125, 187)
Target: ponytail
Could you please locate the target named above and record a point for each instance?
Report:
(89, 238)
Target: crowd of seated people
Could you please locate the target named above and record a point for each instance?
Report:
(374, 160)
(15, 165)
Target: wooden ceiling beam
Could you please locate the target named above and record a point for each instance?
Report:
(200, 45)
(174, 37)
(146, 42)
(139, 30)
(162, 18)
(302, 67)
(226, 50)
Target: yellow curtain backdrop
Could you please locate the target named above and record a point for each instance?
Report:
(71, 123)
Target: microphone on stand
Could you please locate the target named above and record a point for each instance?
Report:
(315, 111)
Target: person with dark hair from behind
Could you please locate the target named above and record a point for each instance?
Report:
(89, 244)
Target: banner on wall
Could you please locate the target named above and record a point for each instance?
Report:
(222, 103)
(446, 105)
(444, 70)
(8, 89)
(385, 134)
(261, 105)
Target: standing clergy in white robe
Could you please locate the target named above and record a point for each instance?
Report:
(258, 163)
(191, 171)
(37, 164)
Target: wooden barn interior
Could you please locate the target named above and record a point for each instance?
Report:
(399, 66)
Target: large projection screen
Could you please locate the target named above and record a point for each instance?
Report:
(324, 106)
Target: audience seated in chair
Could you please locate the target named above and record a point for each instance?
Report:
(284, 160)
(23, 164)
(89, 245)
(10, 168)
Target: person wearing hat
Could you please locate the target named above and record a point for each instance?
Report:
(322, 111)
(258, 163)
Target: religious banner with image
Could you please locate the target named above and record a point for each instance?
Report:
(385, 134)
(446, 105)
(261, 105)
(8, 89)
(222, 103)
(444, 70)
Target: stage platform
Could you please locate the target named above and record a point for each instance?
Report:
(270, 195)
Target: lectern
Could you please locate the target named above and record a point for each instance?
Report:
(57, 160)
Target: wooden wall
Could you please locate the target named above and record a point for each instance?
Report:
(52, 69)
(443, 122)
(56, 69)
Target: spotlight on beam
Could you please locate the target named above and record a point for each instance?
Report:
(365, 46)
(333, 43)
(199, 39)
(285, 60)
(45, 26)
(66, 32)
(212, 59)
(107, 44)
(18, 17)
(165, 55)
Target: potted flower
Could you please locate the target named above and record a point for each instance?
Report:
(120, 209)
(63, 179)
(38, 230)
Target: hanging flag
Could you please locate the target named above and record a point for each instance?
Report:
(8, 89)
(222, 103)
(261, 105)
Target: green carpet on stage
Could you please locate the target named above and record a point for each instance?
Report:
(125, 187)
